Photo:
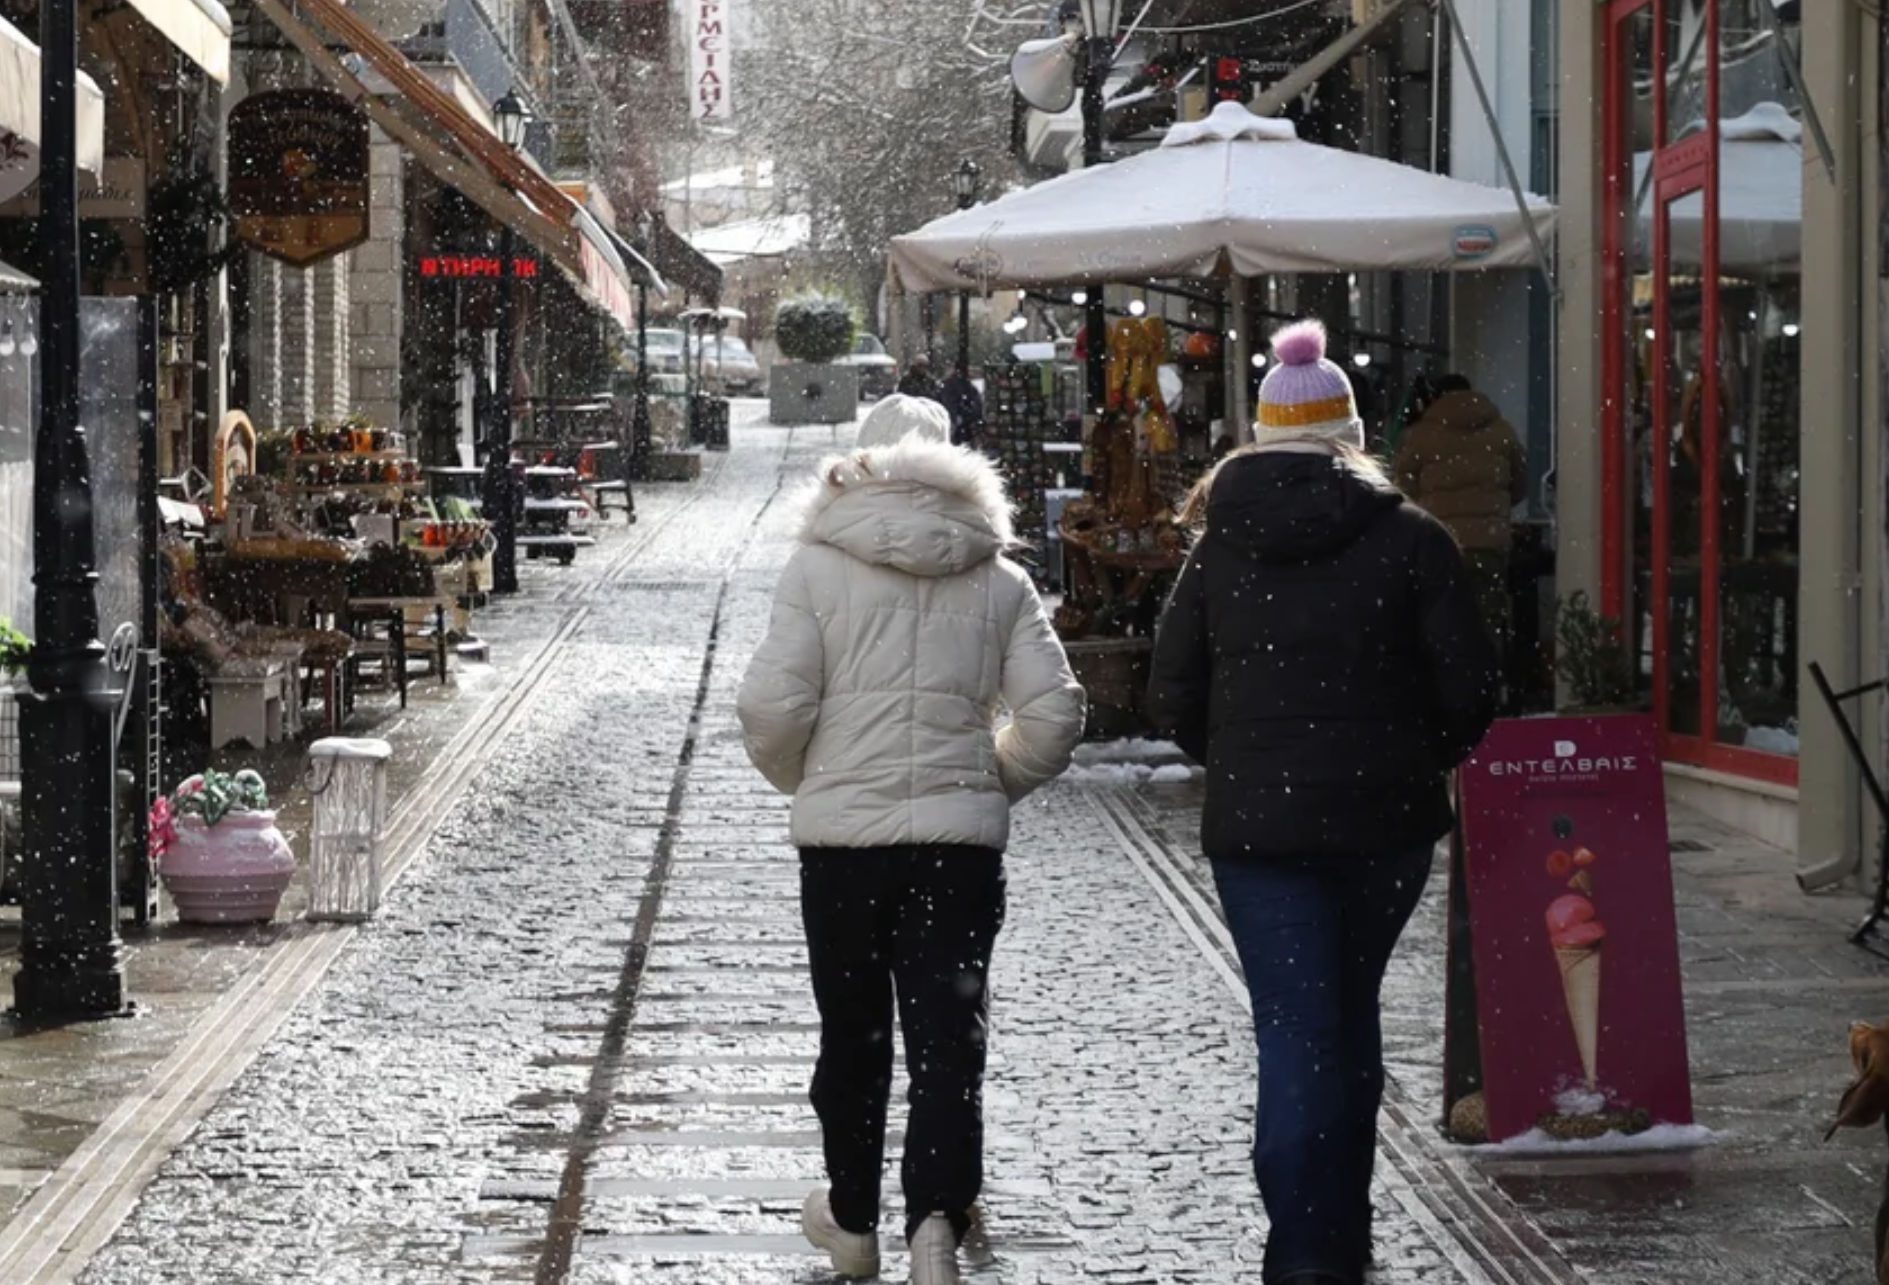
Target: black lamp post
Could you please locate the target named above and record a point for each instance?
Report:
(966, 183)
(1100, 19)
(71, 960)
(639, 416)
(501, 500)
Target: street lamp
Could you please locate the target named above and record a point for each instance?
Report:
(500, 498)
(639, 416)
(1100, 20)
(966, 183)
(512, 116)
(71, 960)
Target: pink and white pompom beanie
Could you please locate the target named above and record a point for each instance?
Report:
(1304, 397)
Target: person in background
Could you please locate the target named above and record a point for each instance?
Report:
(965, 405)
(917, 380)
(899, 631)
(1462, 464)
(1323, 657)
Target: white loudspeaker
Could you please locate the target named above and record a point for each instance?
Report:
(1044, 72)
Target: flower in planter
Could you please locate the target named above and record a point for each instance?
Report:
(214, 795)
(163, 828)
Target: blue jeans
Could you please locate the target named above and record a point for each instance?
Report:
(1314, 936)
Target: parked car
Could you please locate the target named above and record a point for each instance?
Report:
(878, 372)
(729, 362)
(665, 351)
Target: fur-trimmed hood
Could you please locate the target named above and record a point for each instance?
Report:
(921, 507)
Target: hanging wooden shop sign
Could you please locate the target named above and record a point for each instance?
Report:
(298, 176)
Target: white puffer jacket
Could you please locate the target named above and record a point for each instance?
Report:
(898, 630)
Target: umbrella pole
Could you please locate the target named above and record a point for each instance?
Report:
(1239, 360)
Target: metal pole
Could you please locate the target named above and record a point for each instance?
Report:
(71, 960)
(639, 422)
(1095, 319)
(965, 202)
(501, 502)
(964, 332)
(1542, 261)
(1240, 352)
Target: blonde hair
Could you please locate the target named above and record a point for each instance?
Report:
(1360, 464)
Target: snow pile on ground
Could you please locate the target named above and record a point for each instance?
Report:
(1661, 1137)
(1134, 749)
(1132, 761)
(1132, 773)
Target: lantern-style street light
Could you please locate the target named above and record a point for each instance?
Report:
(500, 489)
(512, 116)
(71, 959)
(966, 183)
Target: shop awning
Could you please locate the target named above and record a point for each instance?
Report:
(19, 114)
(682, 264)
(1234, 193)
(200, 29)
(461, 152)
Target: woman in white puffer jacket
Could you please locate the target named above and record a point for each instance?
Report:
(899, 632)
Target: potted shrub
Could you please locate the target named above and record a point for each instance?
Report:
(218, 850)
(813, 332)
(1592, 660)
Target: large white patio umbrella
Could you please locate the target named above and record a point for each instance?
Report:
(1234, 193)
(19, 115)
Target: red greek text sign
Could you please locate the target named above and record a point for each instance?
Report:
(1571, 913)
(462, 266)
(711, 88)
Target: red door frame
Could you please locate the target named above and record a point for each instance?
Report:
(1679, 169)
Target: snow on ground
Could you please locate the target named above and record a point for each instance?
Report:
(1134, 749)
(1106, 773)
(1661, 1137)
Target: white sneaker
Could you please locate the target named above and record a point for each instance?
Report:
(935, 1252)
(854, 1254)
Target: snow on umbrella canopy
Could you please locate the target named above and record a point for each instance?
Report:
(1234, 191)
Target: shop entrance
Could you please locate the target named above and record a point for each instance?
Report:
(1701, 430)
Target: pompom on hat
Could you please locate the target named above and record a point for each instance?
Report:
(898, 416)
(1305, 397)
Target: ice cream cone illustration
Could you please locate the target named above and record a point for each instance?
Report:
(1577, 937)
(1580, 987)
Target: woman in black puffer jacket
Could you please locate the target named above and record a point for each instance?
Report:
(1323, 655)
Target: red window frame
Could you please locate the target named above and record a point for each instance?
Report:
(1679, 170)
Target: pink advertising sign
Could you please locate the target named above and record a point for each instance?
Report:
(1571, 915)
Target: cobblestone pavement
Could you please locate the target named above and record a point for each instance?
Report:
(575, 1045)
(60, 1089)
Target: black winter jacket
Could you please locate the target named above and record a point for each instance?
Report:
(1323, 655)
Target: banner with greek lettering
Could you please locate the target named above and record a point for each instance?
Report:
(710, 59)
(1573, 929)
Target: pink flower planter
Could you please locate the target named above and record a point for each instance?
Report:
(232, 872)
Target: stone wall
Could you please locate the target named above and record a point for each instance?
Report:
(374, 298)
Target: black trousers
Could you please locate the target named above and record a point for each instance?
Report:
(917, 923)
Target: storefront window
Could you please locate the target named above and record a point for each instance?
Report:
(1680, 344)
(1760, 168)
(1703, 296)
(1684, 64)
